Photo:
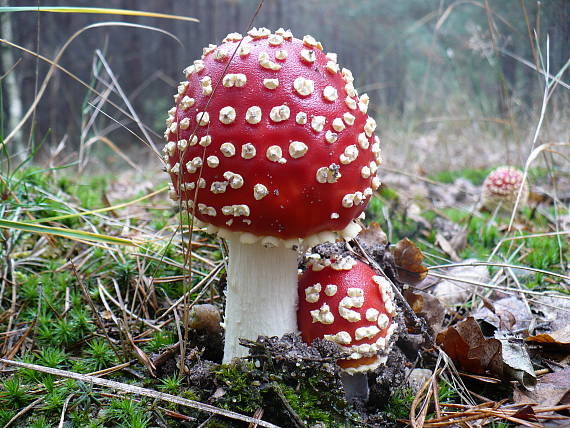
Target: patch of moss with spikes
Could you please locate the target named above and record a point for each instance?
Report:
(294, 384)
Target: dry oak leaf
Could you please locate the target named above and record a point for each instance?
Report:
(557, 339)
(408, 258)
(470, 350)
(551, 389)
(373, 235)
(427, 306)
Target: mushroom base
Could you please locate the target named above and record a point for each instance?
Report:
(261, 297)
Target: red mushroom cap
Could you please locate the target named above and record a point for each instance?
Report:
(284, 148)
(345, 301)
(502, 186)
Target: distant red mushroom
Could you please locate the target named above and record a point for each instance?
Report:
(347, 302)
(501, 187)
(281, 155)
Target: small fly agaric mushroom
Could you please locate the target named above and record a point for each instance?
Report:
(501, 188)
(347, 302)
(271, 147)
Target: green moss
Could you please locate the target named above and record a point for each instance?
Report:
(242, 389)
(400, 403)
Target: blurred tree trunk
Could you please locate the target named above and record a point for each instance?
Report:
(11, 84)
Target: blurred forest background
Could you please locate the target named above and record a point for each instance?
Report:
(452, 83)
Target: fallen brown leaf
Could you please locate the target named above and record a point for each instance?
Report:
(427, 306)
(446, 247)
(556, 339)
(551, 389)
(408, 258)
(471, 351)
(373, 235)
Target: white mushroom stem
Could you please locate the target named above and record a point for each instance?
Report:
(261, 297)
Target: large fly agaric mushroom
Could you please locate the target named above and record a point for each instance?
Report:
(271, 147)
(501, 188)
(345, 301)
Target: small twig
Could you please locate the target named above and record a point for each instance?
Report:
(63, 410)
(23, 411)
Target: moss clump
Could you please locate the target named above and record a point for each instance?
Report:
(290, 381)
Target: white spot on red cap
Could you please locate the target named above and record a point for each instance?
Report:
(330, 136)
(213, 161)
(271, 83)
(342, 338)
(281, 54)
(238, 210)
(227, 115)
(349, 314)
(383, 321)
(318, 123)
(275, 40)
(228, 149)
(301, 118)
(350, 103)
(348, 118)
(280, 113)
(363, 141)
(205, 141)
(248, 151)
(332, 67)
(308, 55)
(370, 126)
(312, 293)
(244, 50)
(218, 187)
(331, 289)
(372, 314)
(322, 315)
(350, 154)
(274, 153)
(304, 86)
(265, 62)
(236, 180)
(253, 115)
(260, 191)
(330, 93)
(297, 149)
(203, 118)
(366, 332)
(186, 102)
(338, 125)
(328, 174)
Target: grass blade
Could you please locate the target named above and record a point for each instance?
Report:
(96, 10)
(77, 235)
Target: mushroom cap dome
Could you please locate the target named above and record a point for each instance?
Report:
(501, 188)
(269, 138)
(347, 302)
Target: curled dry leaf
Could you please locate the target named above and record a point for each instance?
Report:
(559, 339)
(509, 313)
(470, 350)
(427, 306)
(505, 357)
(409, 258)
(373, 235)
